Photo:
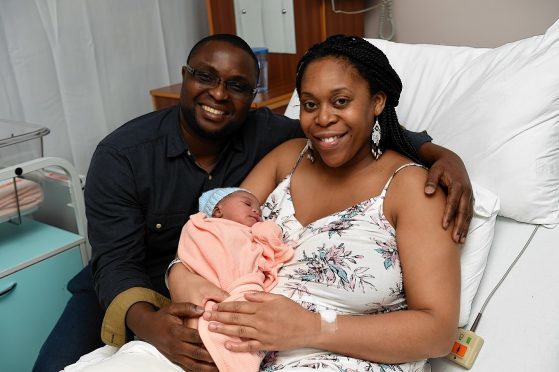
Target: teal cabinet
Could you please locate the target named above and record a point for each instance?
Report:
(36, 262)
(37, 259)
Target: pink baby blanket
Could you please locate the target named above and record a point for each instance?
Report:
(29, 195)
(238, 259)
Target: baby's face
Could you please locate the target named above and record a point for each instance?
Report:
(241, 207)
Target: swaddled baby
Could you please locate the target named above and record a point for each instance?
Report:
(228, 243)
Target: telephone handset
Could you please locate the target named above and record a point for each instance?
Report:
(385, 17)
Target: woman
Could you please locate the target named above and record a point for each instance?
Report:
(367, 238)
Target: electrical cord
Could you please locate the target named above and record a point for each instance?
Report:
(385, 16)
(353, 11)
(478, 317)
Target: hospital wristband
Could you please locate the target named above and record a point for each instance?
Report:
(328, 321)
(175, 261)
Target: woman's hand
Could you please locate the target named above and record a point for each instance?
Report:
(265, 322)
(448, 170)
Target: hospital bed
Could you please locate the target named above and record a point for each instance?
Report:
(499, 110)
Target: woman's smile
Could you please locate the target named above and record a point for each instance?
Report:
(328, 142)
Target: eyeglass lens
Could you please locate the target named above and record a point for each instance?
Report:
(235, 87)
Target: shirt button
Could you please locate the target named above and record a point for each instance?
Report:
(210, 177)
(188, 152)
(158, 226)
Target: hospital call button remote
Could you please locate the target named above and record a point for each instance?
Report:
(466, 348)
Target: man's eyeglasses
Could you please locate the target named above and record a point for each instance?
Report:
(236, 88)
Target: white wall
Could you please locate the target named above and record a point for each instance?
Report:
(481, 23)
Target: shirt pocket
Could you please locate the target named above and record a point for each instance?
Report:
(161, 223)
(163, 232)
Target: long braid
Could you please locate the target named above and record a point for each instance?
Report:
(373, 66)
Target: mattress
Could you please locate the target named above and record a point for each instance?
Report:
(520, 324)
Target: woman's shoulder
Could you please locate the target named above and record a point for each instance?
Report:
(406, 176)
(287, 155)
(408, 182)
(266, 175)
(294, 145)
(287, 150)
(405, 167)
(405, 192)
(412, 172)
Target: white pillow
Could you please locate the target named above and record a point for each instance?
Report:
(292, 109)
(425, 71)
(496, 108)
(474, 253)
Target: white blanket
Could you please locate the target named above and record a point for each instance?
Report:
(133, 356)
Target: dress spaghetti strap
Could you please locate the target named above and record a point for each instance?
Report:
(383, 193)
(301, 155)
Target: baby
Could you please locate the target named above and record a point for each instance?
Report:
(228, 244)
(232, 203)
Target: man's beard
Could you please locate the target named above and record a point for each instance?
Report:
(224, 132)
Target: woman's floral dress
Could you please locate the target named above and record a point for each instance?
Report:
(348, 262)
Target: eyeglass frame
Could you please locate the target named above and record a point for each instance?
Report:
(216, 80)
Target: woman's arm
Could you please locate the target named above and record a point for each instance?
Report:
(448, 170)
(431, 275)
(186, 286)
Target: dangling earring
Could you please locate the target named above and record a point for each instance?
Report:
(310, 151)
(375, 140)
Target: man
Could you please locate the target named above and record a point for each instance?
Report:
(144, 181)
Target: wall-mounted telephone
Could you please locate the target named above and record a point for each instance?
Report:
(386, 24)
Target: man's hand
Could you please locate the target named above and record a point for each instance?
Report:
(165, 329)
(448, 170)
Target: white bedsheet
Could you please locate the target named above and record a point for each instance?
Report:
(132, 357)
(520, 324)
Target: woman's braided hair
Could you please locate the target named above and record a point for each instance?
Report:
(373, 66)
